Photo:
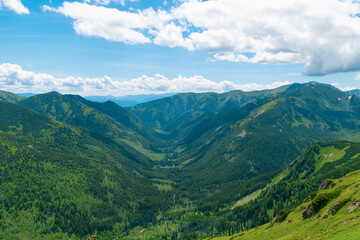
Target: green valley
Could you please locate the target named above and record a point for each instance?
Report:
(188, 166)
(179, 120)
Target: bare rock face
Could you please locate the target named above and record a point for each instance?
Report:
(353, 206)
(326, 184)
(308, 212)
(333, 210)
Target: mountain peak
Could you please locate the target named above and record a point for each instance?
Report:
(55, 93)
(312, 84)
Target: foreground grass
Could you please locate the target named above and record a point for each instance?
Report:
(342, 225)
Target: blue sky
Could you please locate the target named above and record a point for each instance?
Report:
(100, 47)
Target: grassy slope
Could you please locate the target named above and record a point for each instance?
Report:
(342, 225)
(10, 97)
(291, 186)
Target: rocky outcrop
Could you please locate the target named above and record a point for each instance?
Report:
(326, 184)
(337, 206)
(308, 212)
(353, 206)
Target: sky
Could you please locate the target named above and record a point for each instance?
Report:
(129, 47)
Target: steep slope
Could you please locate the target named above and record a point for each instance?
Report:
(320, 161)
(354, 92)
(10, 97)
(169, 115)
(265, 134)
(259, 200)
(57, 181)
(332, 212)
(108, 119)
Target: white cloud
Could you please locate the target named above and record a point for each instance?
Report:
(323, 35)
(357, 77)
(342, 88)
(107, 2)
(231, 57)
(171, 35)
(15, 79)
(110, 23)
(14, 5)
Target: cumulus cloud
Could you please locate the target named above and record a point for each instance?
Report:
(110, 23)
(342, 88)
(323, 35)
(14, 78)
(107, 2)
(14, 5)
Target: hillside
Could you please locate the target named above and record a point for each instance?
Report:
(258, 200)
(108, 119)
(354, 92)
(263, 135)
(169, 115)
(332, 212)
(10, 97)
(321, 161)
(58, 181)
(188, 166)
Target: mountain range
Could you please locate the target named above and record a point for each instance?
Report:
(181, 167)
(129, 100)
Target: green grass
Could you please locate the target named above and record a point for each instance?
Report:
(150, 154)
(342, 225)
(163, 184)
(257, 193)
(329, 154)
(304, 121)
(163, 187)
(10, 97)
(270, 105)
(353, 136)
(247, 198)
(152, 232)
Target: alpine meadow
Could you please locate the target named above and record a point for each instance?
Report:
(179, 119)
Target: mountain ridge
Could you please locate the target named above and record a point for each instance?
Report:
(197, 165)
(10, 97)
(107, 118)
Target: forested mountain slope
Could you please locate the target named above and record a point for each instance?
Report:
(10, 97)
(321, 161)
(332, 212)
(108, 119)
(354, 92)
(183, 167)
(264, 134)
(58, 181)
(169, 115)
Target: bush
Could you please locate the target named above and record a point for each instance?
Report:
(283, 214)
